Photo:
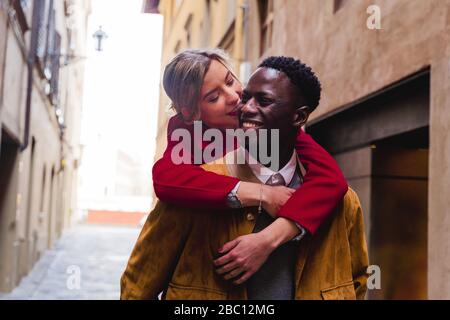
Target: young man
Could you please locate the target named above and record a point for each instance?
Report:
(177, 246)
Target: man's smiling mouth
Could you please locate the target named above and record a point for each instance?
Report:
(249, 124)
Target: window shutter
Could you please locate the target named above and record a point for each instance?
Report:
(41, 29)
(50, 52)
(54, 81)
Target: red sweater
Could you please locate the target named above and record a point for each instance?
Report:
(323, 187)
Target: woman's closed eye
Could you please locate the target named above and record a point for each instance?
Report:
(213, 99)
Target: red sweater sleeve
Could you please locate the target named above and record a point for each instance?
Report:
(323, 187)
(189, 184)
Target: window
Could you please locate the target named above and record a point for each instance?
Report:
(41, 206)
(178, 3)
(338, 4)
(188, 29)
(54, 69)
(150, 6)
(50, 42)
(177, 47)
(266, 19)
(42, 10)
(48, 46)
(19, 7)
(227, 42)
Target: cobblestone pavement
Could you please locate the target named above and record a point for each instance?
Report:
(85, 263)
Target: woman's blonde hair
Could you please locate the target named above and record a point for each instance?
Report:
(183, 78)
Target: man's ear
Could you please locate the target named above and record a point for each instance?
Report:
(301, 116)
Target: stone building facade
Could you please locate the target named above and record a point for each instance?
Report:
(385, 70)
(41, 83)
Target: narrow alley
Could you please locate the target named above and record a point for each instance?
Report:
(85, 263)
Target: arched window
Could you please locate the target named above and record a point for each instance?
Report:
(338, 4)
(266, 20)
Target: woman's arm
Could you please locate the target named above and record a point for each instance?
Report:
(192, 186)
(323, 187)
(188, 184)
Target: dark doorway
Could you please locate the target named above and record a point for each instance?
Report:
(8, 198)
(8, 156)
(51, 209)
(29, 257)
(399, 215)
(381, 144)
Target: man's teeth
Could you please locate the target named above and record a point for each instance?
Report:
(249, 125)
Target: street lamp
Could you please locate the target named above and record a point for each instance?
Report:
(99, 35)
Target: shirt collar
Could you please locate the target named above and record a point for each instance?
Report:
(263, 173)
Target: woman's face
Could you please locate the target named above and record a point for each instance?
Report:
(219, 98)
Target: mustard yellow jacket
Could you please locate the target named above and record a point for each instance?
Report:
(176, 248)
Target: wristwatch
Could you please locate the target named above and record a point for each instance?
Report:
(232, 198)
(302, 233)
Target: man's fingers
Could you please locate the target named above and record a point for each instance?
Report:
(224, 249)
(233, 273)
(227, 268)
(229, 245)
(243, 278)
(223, 260)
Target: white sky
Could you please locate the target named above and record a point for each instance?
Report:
(121, 89)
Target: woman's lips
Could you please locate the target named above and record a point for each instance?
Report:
(235, 112)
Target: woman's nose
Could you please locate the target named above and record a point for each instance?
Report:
(233, 97)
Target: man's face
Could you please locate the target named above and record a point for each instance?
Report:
(271, 101)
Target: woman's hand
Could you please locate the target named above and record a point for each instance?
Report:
(243, 256)
(272, 198)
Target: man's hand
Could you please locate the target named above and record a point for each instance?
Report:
(273, 198)
(243, 256)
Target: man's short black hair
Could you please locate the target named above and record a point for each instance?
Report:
(300, 75)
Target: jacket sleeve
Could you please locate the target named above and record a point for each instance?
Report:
(187, 184)
(155, 254)
(358, 247)
(323, 186)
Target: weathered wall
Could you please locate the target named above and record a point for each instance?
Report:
(439, 182)
(353, 61)
(35, 207)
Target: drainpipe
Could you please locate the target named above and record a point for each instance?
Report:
(2, 64)
(245, 67)
(30, 67)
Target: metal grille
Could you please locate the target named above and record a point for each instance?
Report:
(48, 46)
(50, 51)
(54, 82)
(41, 28)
